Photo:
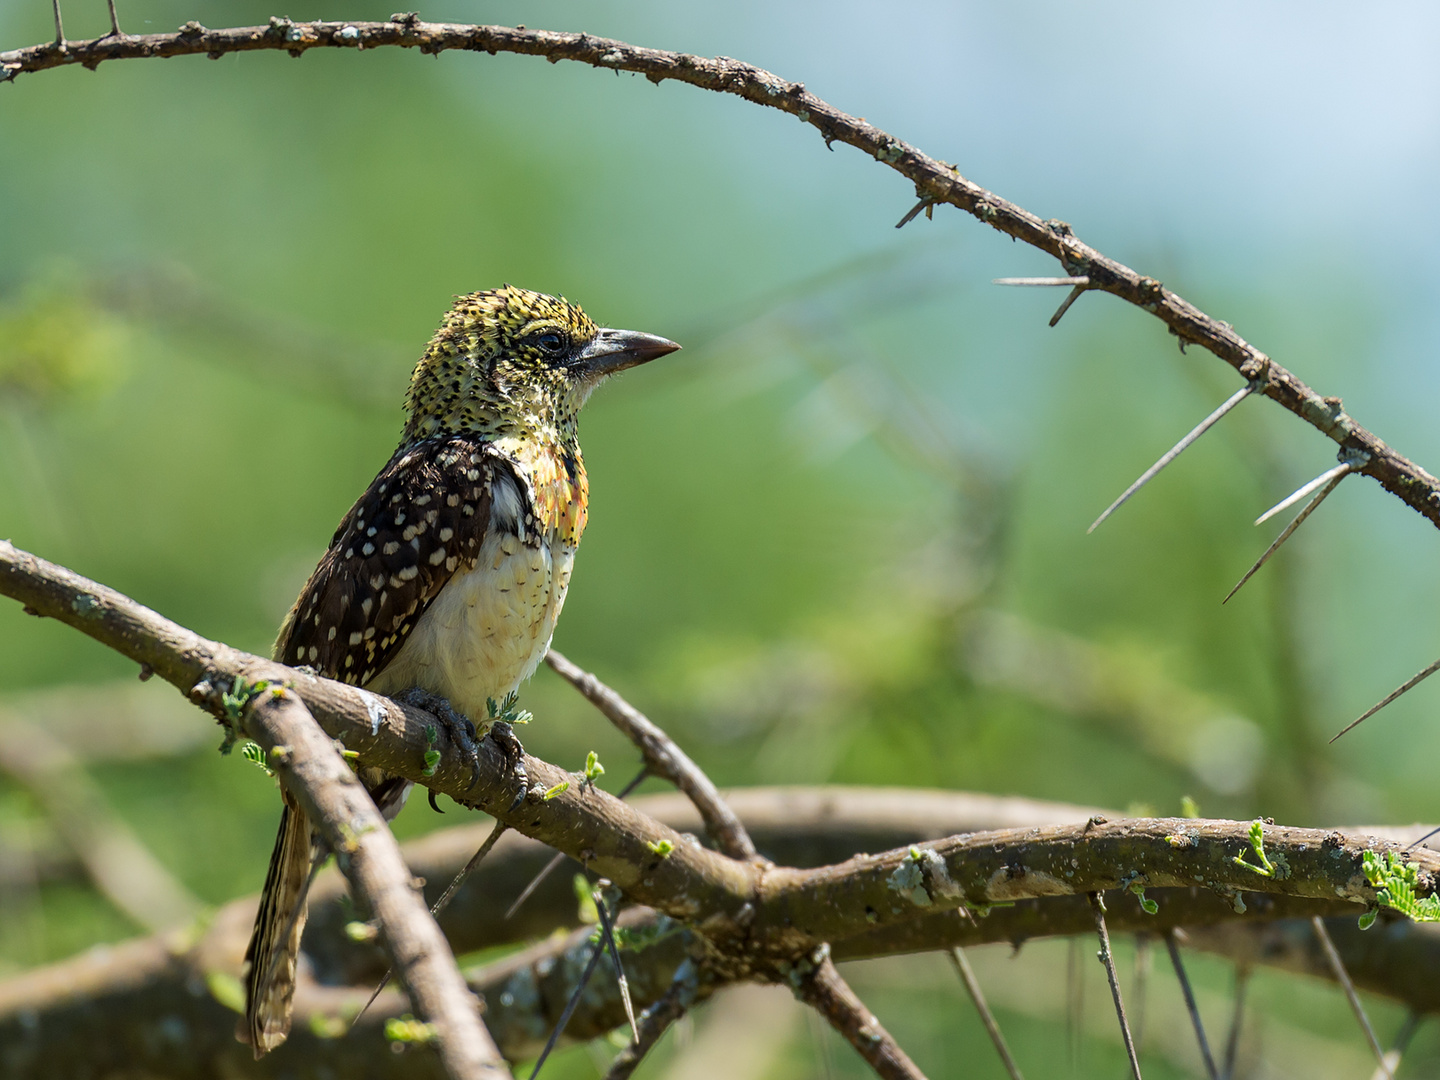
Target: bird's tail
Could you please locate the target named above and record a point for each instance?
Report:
(275, 941)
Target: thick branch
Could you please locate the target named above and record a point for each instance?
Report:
(935, 181)
(335, 801)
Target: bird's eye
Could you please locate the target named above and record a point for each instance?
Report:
(551, 342)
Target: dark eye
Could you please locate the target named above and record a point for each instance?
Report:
(551, 342)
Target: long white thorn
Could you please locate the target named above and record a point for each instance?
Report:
(1175, 451)
(1040, 281)
(1291, 499)
(1400, 690)
(1336, 474)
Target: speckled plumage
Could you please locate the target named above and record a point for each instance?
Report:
(449, 573)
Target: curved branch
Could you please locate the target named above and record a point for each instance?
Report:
(935, 181)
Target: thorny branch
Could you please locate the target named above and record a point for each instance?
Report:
(935, 181)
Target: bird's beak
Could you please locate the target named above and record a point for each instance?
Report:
(616, 350)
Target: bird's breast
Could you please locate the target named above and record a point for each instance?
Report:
(489, 627)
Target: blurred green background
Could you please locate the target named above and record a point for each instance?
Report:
(841, 537)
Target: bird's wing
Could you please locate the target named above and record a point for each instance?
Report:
(420, 522)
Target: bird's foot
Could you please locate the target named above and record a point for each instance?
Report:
(504, 737)
(457, 726)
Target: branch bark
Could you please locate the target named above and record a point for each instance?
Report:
(333, 798)
(935, 181)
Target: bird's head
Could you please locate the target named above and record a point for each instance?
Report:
(518, 364)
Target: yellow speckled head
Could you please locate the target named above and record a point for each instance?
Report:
(519, 364)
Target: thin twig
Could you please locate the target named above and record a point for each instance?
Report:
(1175, 451)
(595, 950)
(1300, 493)
(926, 204)
(820, 986)
(559, 857)
(59, 27)
(1400, 691)
(114, 20)
(664, 758)
(1342, 976)
(1098, 903)
(1320, 497)
(1189, 994)
(655, 1021)
(1237, 1021)
(496, 831)
(607, 932)
(972, 986)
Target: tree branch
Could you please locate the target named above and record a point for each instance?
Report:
(819, 985)
(935, 181)
(664, 758)
(333, 798)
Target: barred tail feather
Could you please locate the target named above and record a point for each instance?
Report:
(275, 941)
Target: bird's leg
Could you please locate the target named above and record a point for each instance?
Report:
(457, 726)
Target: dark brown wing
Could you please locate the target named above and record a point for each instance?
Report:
(421, 520)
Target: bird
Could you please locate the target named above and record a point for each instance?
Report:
(443, 583)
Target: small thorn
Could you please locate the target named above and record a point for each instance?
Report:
(1174, 452)
(1065, 304)
(1404, 688)
(59, 26)
(1291, 499)
(1337, 474)
(1040, 281)
(925, 204)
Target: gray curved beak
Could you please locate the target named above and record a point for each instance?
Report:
(616, 350)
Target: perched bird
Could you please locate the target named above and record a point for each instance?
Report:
(443, 582)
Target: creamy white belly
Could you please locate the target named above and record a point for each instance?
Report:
(488, 629)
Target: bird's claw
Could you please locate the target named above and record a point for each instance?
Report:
(458, 726)
(504, 736)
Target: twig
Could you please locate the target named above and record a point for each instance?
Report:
(664, 758)
(59, 27)
(559, 857)
(1174, 948)
(1098, 903)
(937, 180)
(972, 986)
(607, 934)
(655, 1021)
(332, 797)
(596, 949)
(1175, 451)
(1337, 474)
(1237, 1021)
(1351, 995)
(496, 831)
(819, 985)
(114, 20)
(1399, 691)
